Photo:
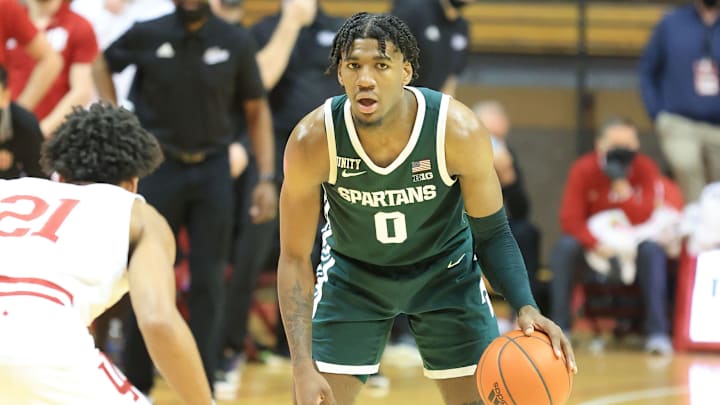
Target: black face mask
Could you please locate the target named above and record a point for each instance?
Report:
(458, 4)
(617, 162)
(710, 3)
(193, 16)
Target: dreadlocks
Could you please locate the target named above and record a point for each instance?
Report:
(382, 27)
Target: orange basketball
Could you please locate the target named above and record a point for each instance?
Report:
(523, 370)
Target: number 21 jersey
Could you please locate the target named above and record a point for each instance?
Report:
(63, 260)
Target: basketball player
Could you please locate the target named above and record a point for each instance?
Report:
(411, 198)
(71, 249)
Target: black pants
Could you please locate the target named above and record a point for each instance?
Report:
(252, 247)
(198, 197)
(652, 277)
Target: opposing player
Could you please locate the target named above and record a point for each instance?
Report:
(411, 197)
(71, 249)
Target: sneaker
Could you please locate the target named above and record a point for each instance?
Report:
(659, 344)
(227, 376)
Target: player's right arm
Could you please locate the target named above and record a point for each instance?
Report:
(306, 167)
(152, 293)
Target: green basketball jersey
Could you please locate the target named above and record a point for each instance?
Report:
(397, 215)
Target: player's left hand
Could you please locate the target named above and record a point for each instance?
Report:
(264, 202)
(530, 319)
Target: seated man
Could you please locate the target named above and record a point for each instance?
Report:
(614, 176)
(515, 198)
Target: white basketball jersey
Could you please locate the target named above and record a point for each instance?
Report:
(63, 259)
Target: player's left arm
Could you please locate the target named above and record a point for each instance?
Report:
(469, 156)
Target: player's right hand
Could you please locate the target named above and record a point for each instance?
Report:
(311, 388)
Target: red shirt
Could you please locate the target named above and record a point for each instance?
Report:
(587, 192)
(14, 23)
(73, 38)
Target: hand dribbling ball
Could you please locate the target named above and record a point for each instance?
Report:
(523, 370)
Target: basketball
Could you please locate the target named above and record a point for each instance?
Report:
(523, 370)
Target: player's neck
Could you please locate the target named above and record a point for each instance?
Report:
(394, 121)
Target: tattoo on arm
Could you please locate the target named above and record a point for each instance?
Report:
(298, 323)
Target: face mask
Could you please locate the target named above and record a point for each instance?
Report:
(710, 3)
(458, 4)
(617, 162)
(193, 16)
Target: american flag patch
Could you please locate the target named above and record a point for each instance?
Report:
(421, 166)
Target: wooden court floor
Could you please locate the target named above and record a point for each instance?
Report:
(619, 375)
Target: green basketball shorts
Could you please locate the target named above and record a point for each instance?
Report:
(445, 299)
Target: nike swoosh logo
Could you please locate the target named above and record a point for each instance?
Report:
(346, 173)
(455, 263)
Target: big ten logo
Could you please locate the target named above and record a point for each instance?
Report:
(422, 177)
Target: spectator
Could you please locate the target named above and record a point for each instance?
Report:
(193, 71)
(72, 37)
(20, 137)
(17, 28)
(681, 90)
(110, 19)
(614, 176)
(493, 116)
(295, 46)
(442, 35)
